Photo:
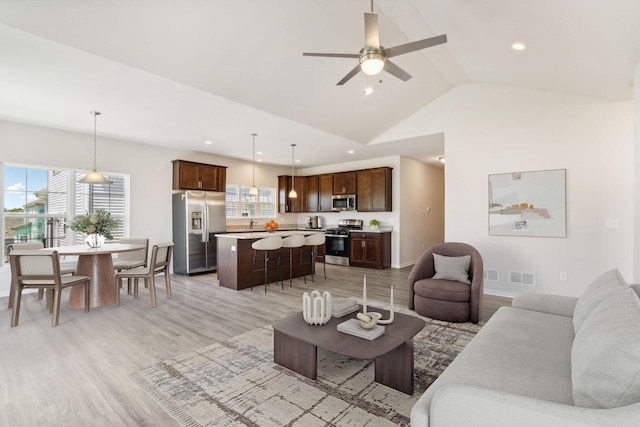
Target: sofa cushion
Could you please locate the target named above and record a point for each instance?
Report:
(443, 290)
(517, 351)
(605, 357)
(454, 268)
(603, 286)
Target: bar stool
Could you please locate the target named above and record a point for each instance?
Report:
(271, 243)
(295, 241)
(312, 241)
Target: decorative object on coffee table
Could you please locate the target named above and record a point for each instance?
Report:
(316, 307)
(368, 320)
(342, 306)
(354, 327)
(390, 319)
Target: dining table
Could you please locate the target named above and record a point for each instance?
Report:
(96, 263)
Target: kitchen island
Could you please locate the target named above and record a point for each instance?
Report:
(235, 259)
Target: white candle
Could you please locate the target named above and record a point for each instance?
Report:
(364, 295)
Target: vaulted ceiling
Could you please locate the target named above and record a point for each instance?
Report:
(176, 73)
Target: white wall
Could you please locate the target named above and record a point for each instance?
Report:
(636, 168)
(422, 209)
(150, 169)
(495, 129)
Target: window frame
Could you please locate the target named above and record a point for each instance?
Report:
(70, 235)
(239, 190)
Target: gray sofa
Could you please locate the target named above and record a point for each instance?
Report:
(546, 361)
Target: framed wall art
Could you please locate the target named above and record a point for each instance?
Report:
(528, 204)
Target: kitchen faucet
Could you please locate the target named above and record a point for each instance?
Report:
(253, 221)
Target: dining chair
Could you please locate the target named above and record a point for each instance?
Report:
(159, 263)
(33, 246)
(40, 269)
(132, 259)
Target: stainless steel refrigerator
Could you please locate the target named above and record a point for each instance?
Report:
(197, 217)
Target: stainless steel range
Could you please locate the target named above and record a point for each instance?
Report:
(338, 246)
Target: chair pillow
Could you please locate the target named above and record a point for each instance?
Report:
(454, 268)
(603, 286)
(605, 357)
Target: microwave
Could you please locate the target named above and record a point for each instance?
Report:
(343, 202)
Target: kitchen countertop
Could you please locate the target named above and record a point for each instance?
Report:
(261, 234)
(382, 229)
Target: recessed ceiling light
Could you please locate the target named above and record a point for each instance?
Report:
(367, 91)
(259, 153)
(208, 142)
(518, 46)
(350, 152)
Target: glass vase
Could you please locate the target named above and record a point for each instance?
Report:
(94, 240)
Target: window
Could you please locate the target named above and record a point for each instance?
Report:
(240, 204)
(39, 203)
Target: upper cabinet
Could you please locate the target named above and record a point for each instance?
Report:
(374, 190)
(198, 176)
(325, 191)
(344, 183)
(312, 194)
(287, 204)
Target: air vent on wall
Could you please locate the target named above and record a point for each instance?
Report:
(492, 275)
(521, 278)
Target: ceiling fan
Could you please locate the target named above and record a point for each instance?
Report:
(374, 58)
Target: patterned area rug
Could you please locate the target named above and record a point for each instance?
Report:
(236, 383)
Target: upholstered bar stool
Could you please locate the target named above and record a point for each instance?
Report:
(271, 243)
(291, 242)
(312, 242)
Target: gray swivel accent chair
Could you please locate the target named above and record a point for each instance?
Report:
(451, 301)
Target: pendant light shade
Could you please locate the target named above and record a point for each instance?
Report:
(253, 191)
(94, 177)
(292, 193)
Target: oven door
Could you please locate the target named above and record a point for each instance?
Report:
(337, 249)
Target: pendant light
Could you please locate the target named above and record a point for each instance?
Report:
(292, 193)
(94, 177)
(253, 191)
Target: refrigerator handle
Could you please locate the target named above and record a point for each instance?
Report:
(205, 226)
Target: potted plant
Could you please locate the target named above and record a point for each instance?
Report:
(97, 225)
(374, 224)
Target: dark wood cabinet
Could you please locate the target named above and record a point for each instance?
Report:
(374, 190)
(285, 203)
(344, 183)
(372, 250)
(325, 191)
(198, 176)
(312, 193)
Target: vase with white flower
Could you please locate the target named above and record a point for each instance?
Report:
(98, 226)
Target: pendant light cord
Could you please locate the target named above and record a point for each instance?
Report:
(253, 162)
(293, 176)
(95, 137)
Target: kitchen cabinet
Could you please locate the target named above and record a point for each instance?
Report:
(371, 250)
(344, 183)
(325, 191)
(285, 203)
(374, 190)
(312, 193)
(198, 176)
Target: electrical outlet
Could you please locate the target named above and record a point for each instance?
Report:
(563, 275)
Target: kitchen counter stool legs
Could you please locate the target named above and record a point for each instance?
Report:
(272, 243)
(295, 241)
(311, 242)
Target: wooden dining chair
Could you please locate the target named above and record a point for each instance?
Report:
(131, 259)
(33, 246)
(158, 264)
(40, 269)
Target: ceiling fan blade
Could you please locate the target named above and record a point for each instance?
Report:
(393, 69)
(333, 55)
(371, 33)
(348, 77)
(413, 46)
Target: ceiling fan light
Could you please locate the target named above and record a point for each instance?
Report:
(372, 63)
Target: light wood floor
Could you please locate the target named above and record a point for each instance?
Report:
(77, 373)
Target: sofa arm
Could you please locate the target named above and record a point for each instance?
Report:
(545, 303)
(462, 405)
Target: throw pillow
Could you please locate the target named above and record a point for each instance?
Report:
(605, 285)
(605, 357)
(454, 268)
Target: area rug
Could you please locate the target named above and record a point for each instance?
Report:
(236, 383)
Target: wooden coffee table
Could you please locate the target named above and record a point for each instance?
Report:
(295, 346)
